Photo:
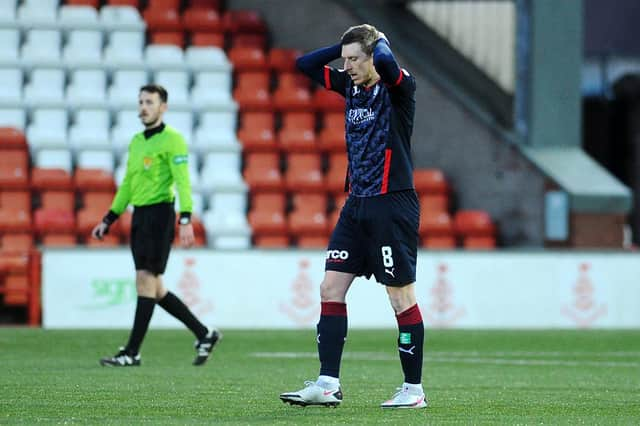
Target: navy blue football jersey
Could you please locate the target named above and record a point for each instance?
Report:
(379, 123)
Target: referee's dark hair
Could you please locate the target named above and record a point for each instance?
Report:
(156, 88)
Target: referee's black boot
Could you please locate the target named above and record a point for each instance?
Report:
(121, 359)
(206, 345)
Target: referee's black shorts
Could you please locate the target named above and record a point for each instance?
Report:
(152, 233)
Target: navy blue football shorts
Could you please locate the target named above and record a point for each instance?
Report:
(377, 236)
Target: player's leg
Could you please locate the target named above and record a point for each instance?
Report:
(343, 263)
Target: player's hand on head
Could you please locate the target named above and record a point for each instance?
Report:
(186, 235)
(382, 36)
(100, 230)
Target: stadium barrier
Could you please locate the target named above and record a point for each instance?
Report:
(279, 289)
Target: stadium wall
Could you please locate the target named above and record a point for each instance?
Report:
(280, 289)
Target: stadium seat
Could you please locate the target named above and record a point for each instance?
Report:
(121, 17)
(436, 230)
(131, 3)
(9, 48)
(173, 38)
(257, 41)
(48, 129)
(212, 92)
(164, 57)
(283, 60)
(257, 132)
(247, 59)
(182, 121)
(42, 48)
(53, 159)
(430, 181)
(434, 202)
(108, 240)
(227, 231)
(202, 19)
(252, 91)
(177, 84)
(87, 89)
(54, 222)
(205, 4)
(336, 173)
(58, 200)
(328, 101)
(271, 241)
(11, 81)
(78, 17)
(332, 136)
(207, 39)
(216, 132)
(95, 205)
(298, 132)
(292, 93)
(50, 179)
(11, 139)
(38, 14)
(304, 173)
(124, 50)
(14, 169)
(164, 4)
(221, 172)
(15, 211)
(92, 3)
(123, 92)
(126, 125)
(94, 171)
(235, 202)
(55, 239)
(475, 228)
(16, 242)
(243, 21)
(90, 130)
(15, 118)
(267, 216)
(45, 88)
(309, 216)
(16, 290)
(262, 172)
(312, 242)
(162, 19)
(203, 58)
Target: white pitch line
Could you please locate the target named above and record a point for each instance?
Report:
(374, 356)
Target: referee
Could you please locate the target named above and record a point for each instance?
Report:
(157, 160)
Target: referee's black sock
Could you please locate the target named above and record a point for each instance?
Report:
(332, 332)
(410, 343)
(173, 305)
(144, 310)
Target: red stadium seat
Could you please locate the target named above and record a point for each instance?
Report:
(304, 173)
(59, 240)
(258, 41)
(50, 179)
(328, 101)
(298, 132)
(313, 242)
(159, 19)
(14, 169)
(262, 172)
(207, 39)
(58, 200)
(51, 221)
(93, 180)
(15, 211)
(309, 216)
(267, 216)
(163, 4)
(430, 181)
(269, 201)
(92, 3)
(283, 60)
(20, 242)
(132, 3)
(252, 91)
(434, 202)
(204, 4)
(11, 138)
(475, 228)
(436, 230)
(243, 21)
(337, 173)
(200, 19)
(292, 93)
(16, 290)
(175, 38)
(271, 241)
(15, 200)
(257, 132)
(332, 138)
(247, 59)
(108, 240)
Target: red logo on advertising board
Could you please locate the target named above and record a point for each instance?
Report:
(441, 311)
(190, 290)
(584, 310)
(303, 308)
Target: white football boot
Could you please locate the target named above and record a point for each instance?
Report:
(408, 396)
(313, 394)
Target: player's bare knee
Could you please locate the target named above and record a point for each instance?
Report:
(145, 283)
(401, 298)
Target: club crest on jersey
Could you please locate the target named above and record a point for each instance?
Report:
(147, 162)
(356, 89)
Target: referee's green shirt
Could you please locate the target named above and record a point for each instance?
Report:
(153, 167)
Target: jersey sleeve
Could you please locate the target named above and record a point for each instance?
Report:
(179, 165)
(123, 195)
(314, 65)
(335, 80)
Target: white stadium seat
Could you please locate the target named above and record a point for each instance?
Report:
(11, 81)
(42, 48)
(13, 117)
(83, 49)
(119, 18)
(45, 88)
(123, 92)
(54, 159)
(199, 58)
(48, 129)
(90, 130)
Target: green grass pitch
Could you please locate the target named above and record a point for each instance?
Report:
(470, 377)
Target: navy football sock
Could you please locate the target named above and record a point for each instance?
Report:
(332, 332)
(410, 343)
(144, 311)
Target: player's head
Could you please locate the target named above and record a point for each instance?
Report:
(357, 51)
(152, 104)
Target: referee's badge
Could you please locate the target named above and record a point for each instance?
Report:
(147, 162)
